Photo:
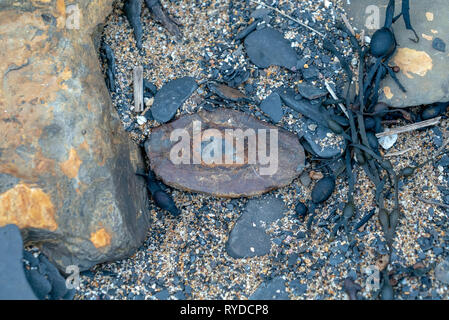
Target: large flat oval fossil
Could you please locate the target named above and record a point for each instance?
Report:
(224, 153)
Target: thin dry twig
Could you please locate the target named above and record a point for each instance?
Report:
(411, 127)
(435, 203)
(138, 88)
(348, 25)
(398, 153)
(288, 17)
(331, 91)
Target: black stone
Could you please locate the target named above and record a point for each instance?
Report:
(268, 47)
(13, 283)
(272, 106)
(172, 96)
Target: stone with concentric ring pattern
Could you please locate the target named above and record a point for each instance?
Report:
(224, 153)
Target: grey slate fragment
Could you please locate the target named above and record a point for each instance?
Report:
(248, 237)
(311, 92)
(268, 47)
(172, 96)
(272, 106)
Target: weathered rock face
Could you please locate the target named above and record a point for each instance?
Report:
(213, 162)
(66, 167)
(424, 70)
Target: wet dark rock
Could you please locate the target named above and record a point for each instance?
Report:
(273, 289)
(248, 237)
(13, 283)
(237, 78)
(311, 92)
(272, 106)
(171, 97)
(439, 44)
(132, 9)
(268, 47)
(212, 175)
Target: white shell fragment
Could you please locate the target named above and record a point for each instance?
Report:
(388, 141)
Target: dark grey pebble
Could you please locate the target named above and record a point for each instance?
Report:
(248, 237)
(272, 106)
(439, 44)
(268, 47)
(172, 96)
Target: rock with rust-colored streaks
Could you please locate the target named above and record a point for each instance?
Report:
(66, 167)
(220, 161)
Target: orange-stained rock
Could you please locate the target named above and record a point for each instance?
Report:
(66, 165)
(27, 208)
(100, 238)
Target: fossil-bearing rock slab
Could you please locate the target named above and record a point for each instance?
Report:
(424, 70)
(66, 166)
(199, 169)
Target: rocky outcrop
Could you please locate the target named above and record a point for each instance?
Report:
(66, 166)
